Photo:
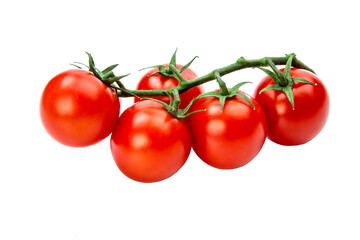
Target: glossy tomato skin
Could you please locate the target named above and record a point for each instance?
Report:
(227, 139)
(148, 144)
(288, 126)
(77, 109)
(158, 81)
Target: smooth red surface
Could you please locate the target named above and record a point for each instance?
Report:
(288, 126)
(77, 109)
(158, 82)
(148, 144)
(227, 139)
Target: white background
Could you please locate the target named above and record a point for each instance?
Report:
(49, 191)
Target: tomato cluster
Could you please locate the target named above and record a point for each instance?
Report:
(148, 144)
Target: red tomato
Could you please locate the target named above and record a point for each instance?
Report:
(288, 126)
(77, 109)
(227, 139)
(148, 144)
(158, 81)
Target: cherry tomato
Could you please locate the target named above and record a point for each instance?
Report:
(288, 126)
(77, 109)
(148, 144)
(158, 81)
(230, 138)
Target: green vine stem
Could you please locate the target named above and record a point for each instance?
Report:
(241, 63)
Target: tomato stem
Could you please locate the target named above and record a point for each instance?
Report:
(176, 95)
(223, 88)
(241, 63)
(177, 73)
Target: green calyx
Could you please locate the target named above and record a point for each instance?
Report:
(171, 70)
(283, 81)
(107, 76)
(226, 93)
(173, 108)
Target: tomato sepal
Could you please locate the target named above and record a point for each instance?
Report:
(173, 107)
(283, 81)
(232, 92)
(167, 71)
(106, 76)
